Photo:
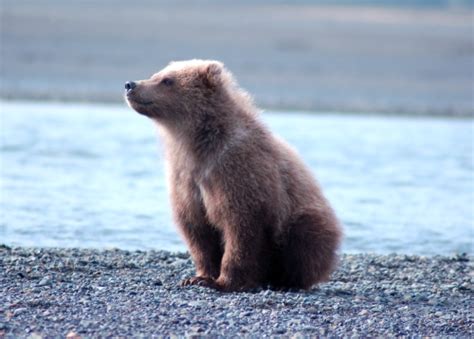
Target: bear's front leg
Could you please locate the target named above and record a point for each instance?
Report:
(203, 239)
(204, 243)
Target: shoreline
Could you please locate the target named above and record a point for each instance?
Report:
(303, 56)
(388, 112)
(56, 292)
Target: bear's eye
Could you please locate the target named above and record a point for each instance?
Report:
(167, 81)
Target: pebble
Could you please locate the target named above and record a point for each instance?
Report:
(73, 335)
(45, 281)
(19, 311)
(85, 323)
(137, 294)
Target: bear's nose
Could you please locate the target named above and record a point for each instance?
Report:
(129, 85)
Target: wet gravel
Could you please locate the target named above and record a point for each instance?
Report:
(77, 292)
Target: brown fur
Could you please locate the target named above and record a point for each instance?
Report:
(249, 209)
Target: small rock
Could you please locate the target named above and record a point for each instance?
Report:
(280, 330)
(197, 303)
(19, 311)
(46, 281)
(196, 329)
(85, 323)
(73, 335)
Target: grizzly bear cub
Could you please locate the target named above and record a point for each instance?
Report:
(249, 209)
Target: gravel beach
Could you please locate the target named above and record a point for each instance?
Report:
(60, 292)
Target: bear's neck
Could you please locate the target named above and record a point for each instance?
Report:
(209, 137)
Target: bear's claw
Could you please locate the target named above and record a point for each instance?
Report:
(200, 281)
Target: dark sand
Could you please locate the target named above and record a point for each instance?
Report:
(298, 56)
(55, 292)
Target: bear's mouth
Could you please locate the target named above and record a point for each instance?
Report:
(140, 102)
(141, 107)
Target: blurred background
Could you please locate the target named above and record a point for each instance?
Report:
(378, 97)
(378, 56)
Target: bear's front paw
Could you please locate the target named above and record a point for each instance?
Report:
(200, 281)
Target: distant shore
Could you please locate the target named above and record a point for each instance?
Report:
(291, 56)
(59, 292)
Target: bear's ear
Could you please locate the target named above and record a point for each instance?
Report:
(211, 74)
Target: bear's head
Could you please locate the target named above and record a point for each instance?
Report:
(180, 90)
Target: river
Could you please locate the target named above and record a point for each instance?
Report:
(83, 175)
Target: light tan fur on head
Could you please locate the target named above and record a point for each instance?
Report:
(186, 87)
(193, 99)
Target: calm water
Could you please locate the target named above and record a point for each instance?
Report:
(92, 176)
